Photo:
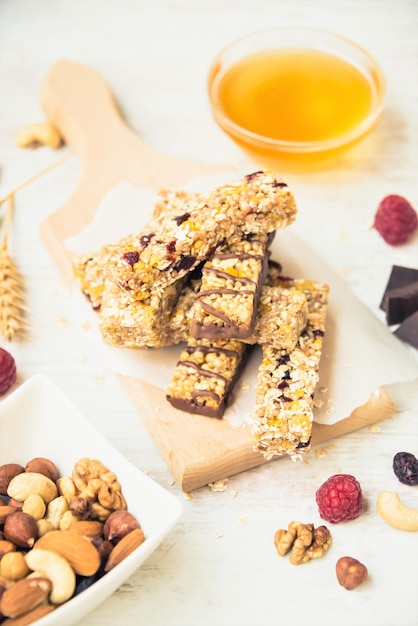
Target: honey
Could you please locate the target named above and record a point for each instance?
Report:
(295, 95)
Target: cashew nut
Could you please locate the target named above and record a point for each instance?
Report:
(55, 510)
(66, 520)
(66, 488)
(57, 569)
(44, 526)
(27, 483)
(396, 514)
(34, 135)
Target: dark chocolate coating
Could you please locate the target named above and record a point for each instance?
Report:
(193, 406)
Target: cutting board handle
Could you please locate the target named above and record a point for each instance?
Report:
(78, 101)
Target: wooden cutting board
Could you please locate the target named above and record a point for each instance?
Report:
(76, 99)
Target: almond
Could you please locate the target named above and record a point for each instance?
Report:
(86, 528)
(24, 596)
(6, 510)
(126, 545)
(6, 546)
(31, 616)
(76, 549)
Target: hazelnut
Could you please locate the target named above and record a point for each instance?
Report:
(7, 472)
(3, 587)
(350, 572)
(21, 529)
(119, 524)
(13, 566)
(43, 466)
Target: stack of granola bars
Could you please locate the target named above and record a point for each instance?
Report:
(200, 275)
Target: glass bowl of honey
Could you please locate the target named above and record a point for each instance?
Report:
(291, 91)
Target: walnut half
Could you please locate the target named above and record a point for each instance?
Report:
(304, 541)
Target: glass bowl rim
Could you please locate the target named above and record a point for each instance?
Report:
(373, 72)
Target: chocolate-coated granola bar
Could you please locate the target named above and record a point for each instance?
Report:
(205, 375)
(226, 305)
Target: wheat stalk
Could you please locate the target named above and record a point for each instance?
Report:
(12, 319)
(12, 308)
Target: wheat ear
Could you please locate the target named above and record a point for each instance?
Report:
(12, 319)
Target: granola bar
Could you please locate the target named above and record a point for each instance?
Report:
(89, 269)
(205, 375)
(287, 381)
(171, 246)
(226, 305)
(178, 326)
(281, 317)
(88, 273)
(137, 324)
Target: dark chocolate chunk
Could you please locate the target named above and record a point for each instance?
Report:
(401, 303)
(399, 277)
(408, 330)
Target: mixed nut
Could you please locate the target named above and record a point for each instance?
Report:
(58, 534)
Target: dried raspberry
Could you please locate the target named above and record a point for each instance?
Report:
(7, 371)
(395, 220)
(405, 466)
(340, 498)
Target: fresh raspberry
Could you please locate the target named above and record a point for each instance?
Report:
(7, 371)
(395, 220)
(340, 498)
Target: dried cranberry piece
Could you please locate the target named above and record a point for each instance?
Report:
(171, 247)
(131, 258)
(181, 218)
(184, 263)
(145, 239)
(405, 466)
(250, 177)
(8, 372)
(282, 384)
(395, 220)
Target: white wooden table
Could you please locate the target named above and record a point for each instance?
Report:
(219, 565)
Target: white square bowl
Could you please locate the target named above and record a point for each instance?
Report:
(38, 420)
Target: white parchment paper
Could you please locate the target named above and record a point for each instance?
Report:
(360, 354)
